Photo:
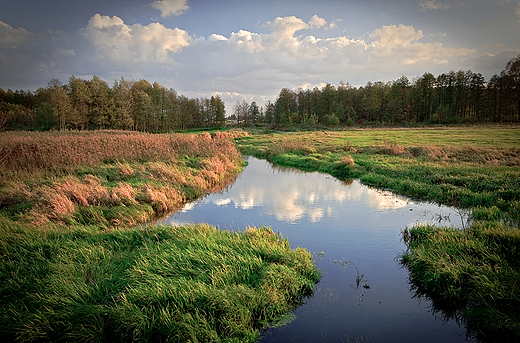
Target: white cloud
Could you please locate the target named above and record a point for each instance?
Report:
(517, 11)
(317, 22)
(217, 37)
(11, 38)
(401, 44)
(283, 29)
(122, 42)
(392, 38)
(255, 66)
(433, 5)
(171, 7)
(247, 41)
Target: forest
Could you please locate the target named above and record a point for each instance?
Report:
(92, 104)
(455, 97)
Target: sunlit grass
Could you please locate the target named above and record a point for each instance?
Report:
(108, 178)
(190, 283)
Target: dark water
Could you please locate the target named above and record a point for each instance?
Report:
(353, 230)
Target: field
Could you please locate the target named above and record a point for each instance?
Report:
(471, 274)
(74, 267)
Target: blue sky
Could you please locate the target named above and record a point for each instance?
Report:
(251, 49)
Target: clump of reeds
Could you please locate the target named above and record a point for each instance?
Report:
(26, 154)
(187, 283)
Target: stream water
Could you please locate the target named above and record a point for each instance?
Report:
(355, 233)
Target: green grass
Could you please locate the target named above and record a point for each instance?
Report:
(177, 284)
(73, 270)
(467, 167)
(472, 274)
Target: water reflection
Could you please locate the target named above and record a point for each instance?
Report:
(275, 191)
(353, 230)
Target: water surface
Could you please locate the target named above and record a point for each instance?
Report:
(353, 230)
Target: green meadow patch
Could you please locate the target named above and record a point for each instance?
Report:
(471, 275)
(178, 284)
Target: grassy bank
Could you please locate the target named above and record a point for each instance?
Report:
(465, 167)
(176, 284)
(474, 168)
(73, 268)
(108, 178)
(471, 275)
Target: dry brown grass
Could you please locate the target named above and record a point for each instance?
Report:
(25, 155)
(42, 169)
(348, 160)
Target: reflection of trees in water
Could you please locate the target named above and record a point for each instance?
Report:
(290, 170)
(281, 170)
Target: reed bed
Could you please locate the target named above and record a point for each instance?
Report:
(26, 154)
(108, 178)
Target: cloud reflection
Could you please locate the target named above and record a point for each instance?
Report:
(293, 195)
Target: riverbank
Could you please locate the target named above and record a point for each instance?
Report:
(108, 178)
(73, 267)
(474, 169)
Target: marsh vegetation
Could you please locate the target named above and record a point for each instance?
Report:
(476, 170)
(75, 268)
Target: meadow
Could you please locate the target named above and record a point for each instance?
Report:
(471, 274)
(75, 267)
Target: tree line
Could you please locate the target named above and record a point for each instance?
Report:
(450, 98)
(92, 104)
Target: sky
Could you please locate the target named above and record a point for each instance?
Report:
(250, 50)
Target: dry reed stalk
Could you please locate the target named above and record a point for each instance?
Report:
(124, 193)
(162, 200)
(348, 160)
(54, 205)
(88, 192)
(161, 171)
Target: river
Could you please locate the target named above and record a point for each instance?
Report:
(355, 234)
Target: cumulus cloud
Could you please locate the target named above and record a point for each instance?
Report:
(317, 22)
(254, 66)
(171, 7)
(245, 40)
(138, 43)
(401, 42)
(433, 5)
(11, 38)
(283, 29)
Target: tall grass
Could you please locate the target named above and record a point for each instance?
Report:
(72, 269)
(176, 284)
(36, 153)
(471, 275)
(108, 178)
